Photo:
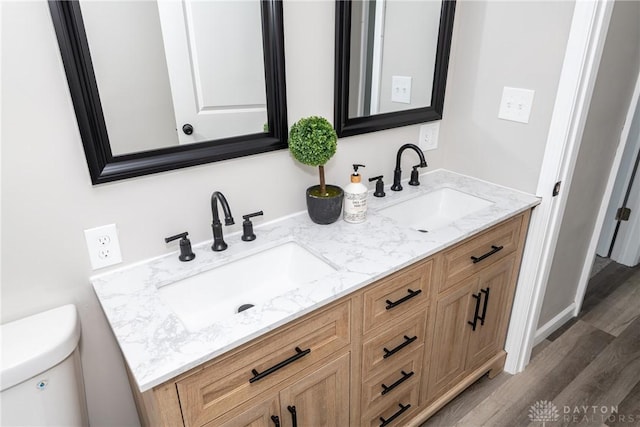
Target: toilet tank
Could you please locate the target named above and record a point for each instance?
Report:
(41, 380)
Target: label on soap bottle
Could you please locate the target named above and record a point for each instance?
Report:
(355, 207)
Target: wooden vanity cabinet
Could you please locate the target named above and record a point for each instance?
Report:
(395, 318)
(390, 354)
(472, 308)
(320, 398)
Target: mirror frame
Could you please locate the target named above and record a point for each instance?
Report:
(346, 126)
(103, 165)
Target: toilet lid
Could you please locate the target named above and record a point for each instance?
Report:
(37, 343)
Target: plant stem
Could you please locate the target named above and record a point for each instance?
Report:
(323, 185)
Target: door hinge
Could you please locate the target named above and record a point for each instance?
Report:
(556, 188)
(623, 214)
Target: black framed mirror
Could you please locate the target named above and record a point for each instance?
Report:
(106, 163)
(379, 84)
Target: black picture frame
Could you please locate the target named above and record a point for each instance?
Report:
(103, 165)
(346, 126)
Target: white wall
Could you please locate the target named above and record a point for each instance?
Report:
(48, 199)
(496, 44)
(614, 86)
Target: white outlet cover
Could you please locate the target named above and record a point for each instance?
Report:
(516, 104)
(103, 246)
(428, 139)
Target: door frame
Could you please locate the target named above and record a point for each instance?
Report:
(587, 35)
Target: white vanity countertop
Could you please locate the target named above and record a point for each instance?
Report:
(157, 346)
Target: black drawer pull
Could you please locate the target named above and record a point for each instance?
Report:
(484, 307)
(493, 250)
(276, 420)
(396, 415)
(407, 341)
(411, 294)
(299, 353)
(405, 377)
(294, 415)
(474, 323)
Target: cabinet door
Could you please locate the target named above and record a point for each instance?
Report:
(451, 337)
(320, 398)
(262, 414)
(495, 292)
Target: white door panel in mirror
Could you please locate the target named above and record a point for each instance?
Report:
(150, 88)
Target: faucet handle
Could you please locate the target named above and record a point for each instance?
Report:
(379, 186)
(414, 175)
(247, 226)
(186, 254)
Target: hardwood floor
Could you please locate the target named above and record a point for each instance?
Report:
(589, 369)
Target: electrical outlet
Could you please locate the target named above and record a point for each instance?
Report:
(428, 139)
(103, 245)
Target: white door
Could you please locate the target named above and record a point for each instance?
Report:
(216, 67)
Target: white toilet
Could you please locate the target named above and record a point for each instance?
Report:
(41, 379)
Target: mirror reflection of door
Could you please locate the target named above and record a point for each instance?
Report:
(161, 65)
(216, 67)
(393, 51)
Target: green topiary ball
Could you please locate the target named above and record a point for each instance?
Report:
(312, 141)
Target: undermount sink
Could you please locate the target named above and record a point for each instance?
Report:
(222, 292)
(435, 210)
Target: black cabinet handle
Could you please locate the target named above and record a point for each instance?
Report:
(474, 323)
(411, 294)
(276, 420)
(396, 415)
(493, 250)
(294, 416)
(484, 307)
(405, 377)
(260, 375)
(406, 342)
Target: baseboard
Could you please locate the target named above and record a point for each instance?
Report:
(554, 324)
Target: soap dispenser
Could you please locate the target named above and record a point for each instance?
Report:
(355, 198)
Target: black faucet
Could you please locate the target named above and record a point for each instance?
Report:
(216, 226)
(397, 173)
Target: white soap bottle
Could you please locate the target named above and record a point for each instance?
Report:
(355, 198)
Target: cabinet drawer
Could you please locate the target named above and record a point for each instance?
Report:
(393, 380)
(487, 248)
(396, 412)
(395, 296)
(224, 384)
(394, 344)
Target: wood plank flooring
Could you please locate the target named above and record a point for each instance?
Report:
(589, 369)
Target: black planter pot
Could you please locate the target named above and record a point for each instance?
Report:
(324, 209)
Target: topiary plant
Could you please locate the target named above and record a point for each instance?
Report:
(312, 141)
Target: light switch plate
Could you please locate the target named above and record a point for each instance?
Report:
(516, 104)
(401, 89)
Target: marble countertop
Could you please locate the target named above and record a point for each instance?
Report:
(156, 344)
